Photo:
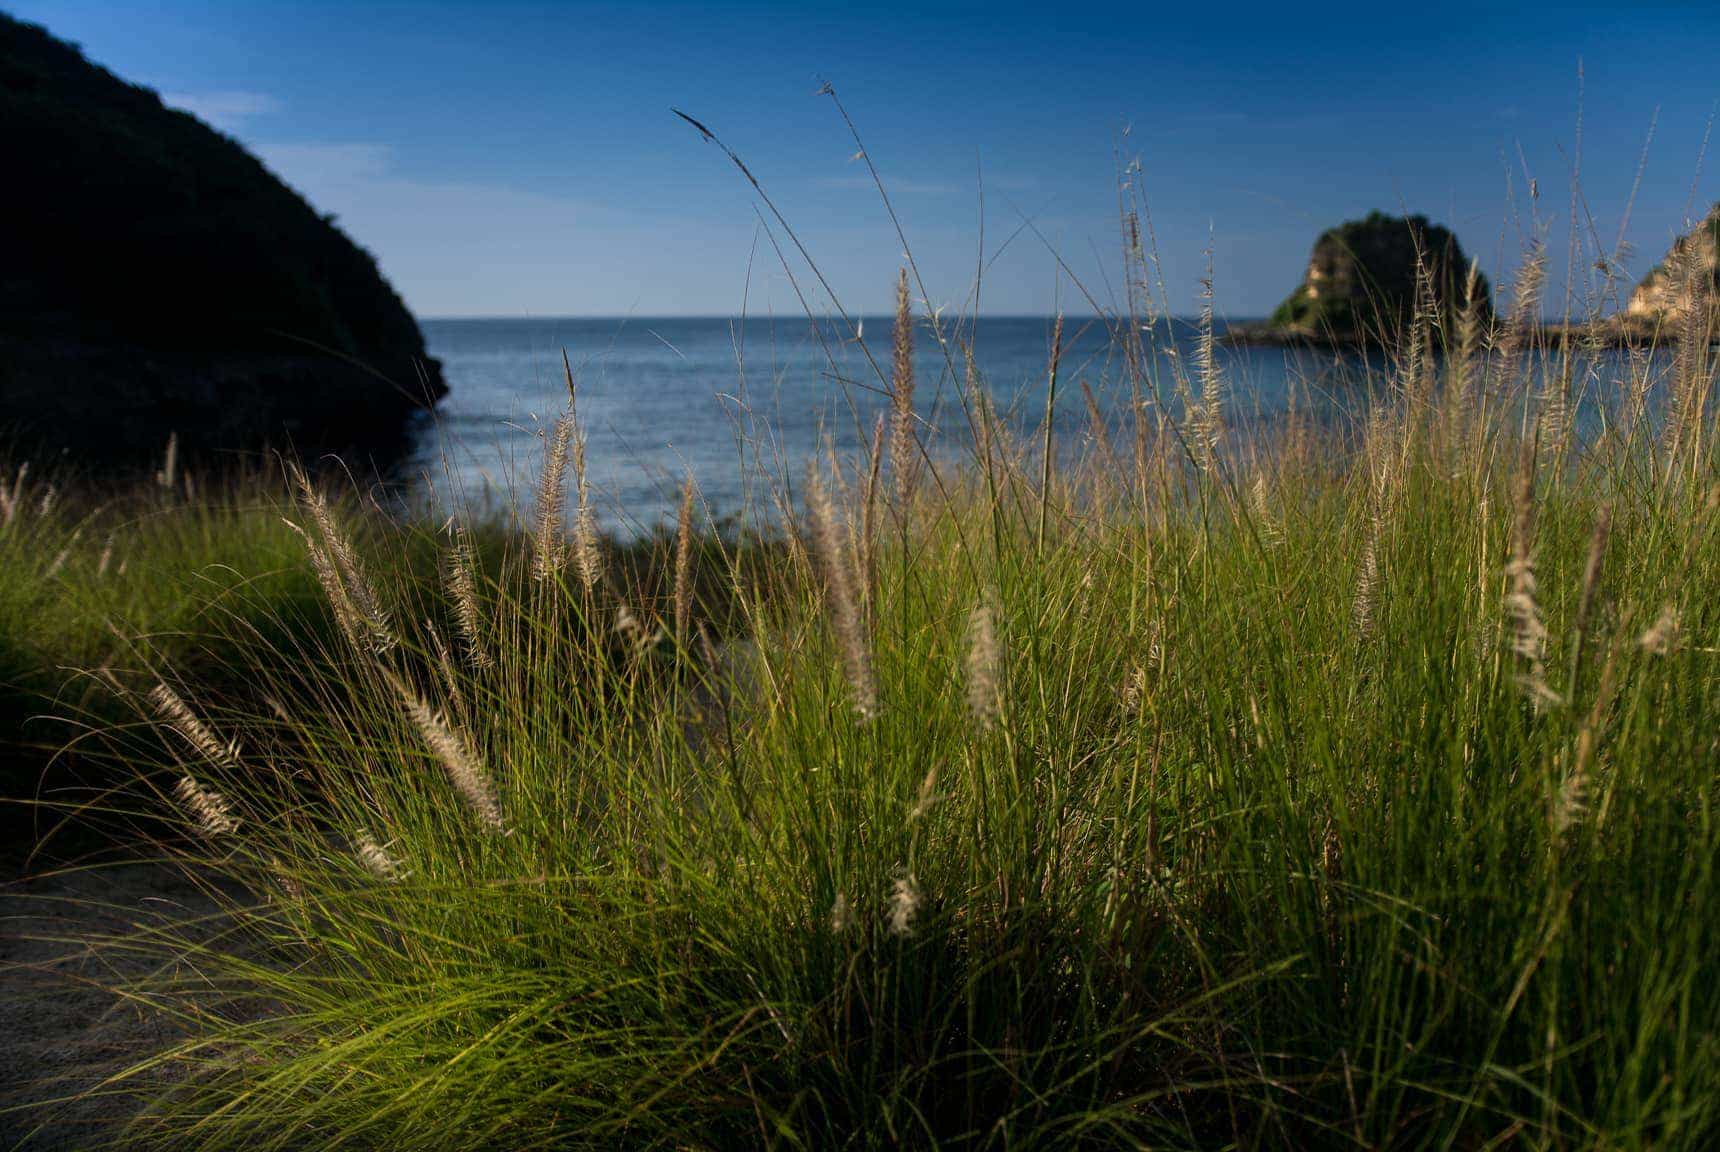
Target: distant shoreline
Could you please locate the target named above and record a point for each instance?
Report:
(1608, 333)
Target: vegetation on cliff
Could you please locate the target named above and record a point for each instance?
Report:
(1362, 281)
(158, 277)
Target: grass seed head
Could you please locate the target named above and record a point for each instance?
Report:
(208, 807)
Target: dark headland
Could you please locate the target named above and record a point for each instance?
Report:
(157, 279)
(1360, 286)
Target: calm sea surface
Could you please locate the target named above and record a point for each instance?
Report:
(732, 402)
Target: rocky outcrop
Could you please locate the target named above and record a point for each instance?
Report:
(1690, 272)
(1360, 286)
(155, 277)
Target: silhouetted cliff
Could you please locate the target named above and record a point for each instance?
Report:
(155, 277)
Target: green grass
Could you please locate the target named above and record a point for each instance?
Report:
(1341, 791)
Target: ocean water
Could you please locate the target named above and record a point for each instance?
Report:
(735, 403)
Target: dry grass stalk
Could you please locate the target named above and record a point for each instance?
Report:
(191, 729)
(844, 607)
(106, 557)
(208, 807)
(903, 447)
(457, 759)
(460, 575)
(868, 536)
(984, 663)
(446, 668)
(684, 565)
(1592, 570)
(927, 796)
(548, 549)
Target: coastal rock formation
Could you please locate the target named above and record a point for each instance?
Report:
(1360, 285)
(156, 278)
(1691, 270)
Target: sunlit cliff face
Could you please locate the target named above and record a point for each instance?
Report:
(1691, 268)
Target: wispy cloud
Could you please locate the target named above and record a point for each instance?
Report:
(227, 110)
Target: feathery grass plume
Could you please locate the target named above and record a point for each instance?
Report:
(1260, 505)
(1417, 342)
(1525, 308)
(170, 462)
(1468, 343)
(375, 857)
(1207, 419)
(1692, 374)
(1662, 637)
(106, 557)
(208, 807)
(587, 550)
(984, 447)
(451, 751)
(1570, 801)
(903, 454)
(841, 915)
(1522, 607)
(354, 587)
(632, 631)
(984, 661)
(11, 498)
(845, 617)
(1364, 604)
(460, 576)
(1134, 692)
(684, 565)
(905, 901)
(346, 616)
(191, 729)
(50, 496)
(548, 550)
(63, 554)
(285, 880)
(1097, 430)
(1555, 415)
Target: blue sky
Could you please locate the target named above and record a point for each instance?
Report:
(521, 159)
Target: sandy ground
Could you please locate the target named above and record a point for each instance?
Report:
(61, 1031)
